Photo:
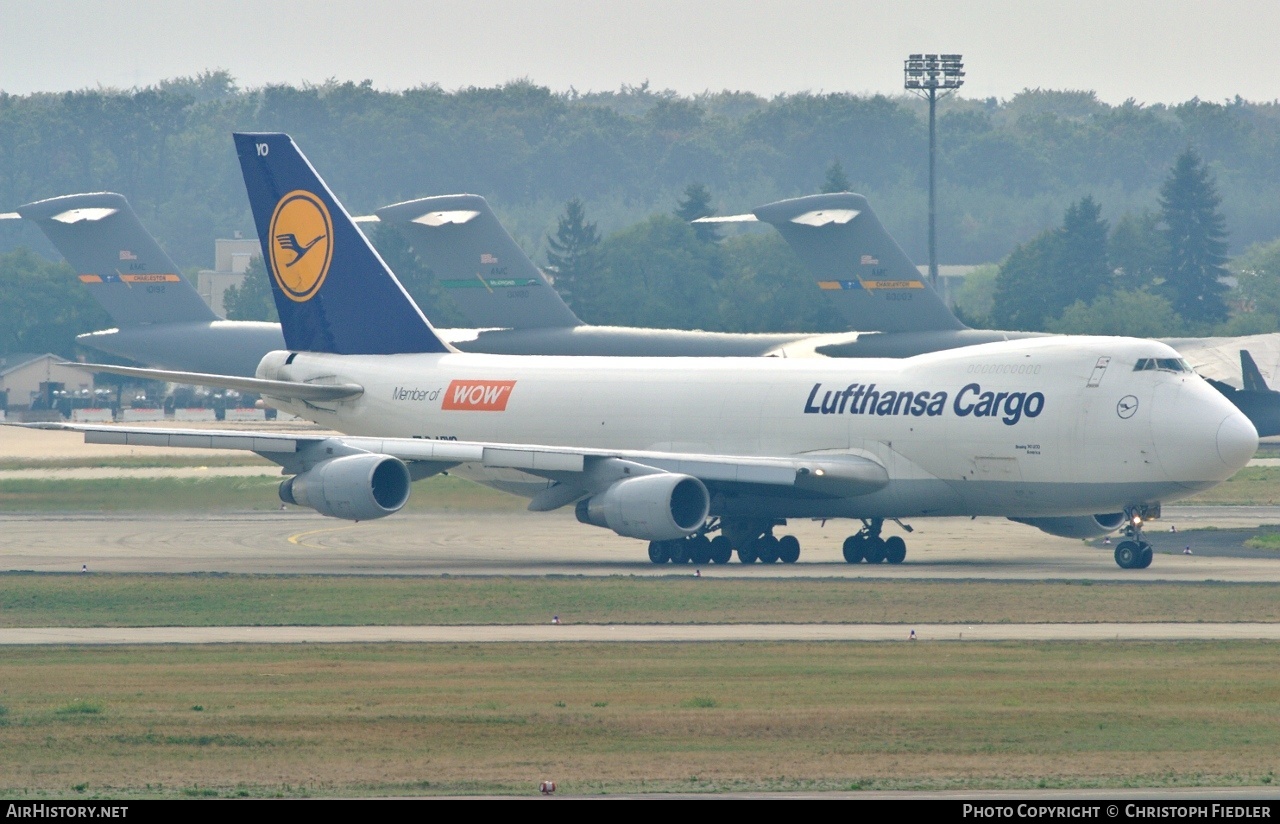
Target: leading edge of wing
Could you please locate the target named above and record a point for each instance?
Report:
(834, 474)
(276, 389)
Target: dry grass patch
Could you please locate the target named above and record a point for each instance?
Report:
(350, 720)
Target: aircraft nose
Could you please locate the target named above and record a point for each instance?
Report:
(1237, 441)
(1201, 438)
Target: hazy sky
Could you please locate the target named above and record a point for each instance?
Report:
(1150, 50)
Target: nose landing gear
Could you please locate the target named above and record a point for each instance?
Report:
(1133, 552)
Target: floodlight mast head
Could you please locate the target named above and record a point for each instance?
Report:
(929, 73)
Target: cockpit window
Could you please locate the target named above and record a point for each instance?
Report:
(1161, 364)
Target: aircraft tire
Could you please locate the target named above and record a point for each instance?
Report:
(767, 549)
(895, 550)
(853, 546)
(747, 554)
(1128, 554)
(679, 551)
(721, 550)
(788, 549)
(699, 549)
(1147, 554)
(873, 551)
(658, 553)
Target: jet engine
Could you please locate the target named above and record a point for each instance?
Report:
(659, 507)
(1077, 526)
(354, 487)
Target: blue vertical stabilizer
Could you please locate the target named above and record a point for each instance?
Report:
(332, 290)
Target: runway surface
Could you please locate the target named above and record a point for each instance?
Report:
(298, 541)
(639, 633)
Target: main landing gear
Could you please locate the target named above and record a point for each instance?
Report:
(754, 541)
(1133, 552)
(868, 546)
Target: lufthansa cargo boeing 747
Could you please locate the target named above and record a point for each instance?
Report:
(1075, 435)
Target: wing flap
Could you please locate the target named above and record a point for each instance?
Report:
(275, 389)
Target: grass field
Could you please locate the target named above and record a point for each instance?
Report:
(352, 720)
(28, 600)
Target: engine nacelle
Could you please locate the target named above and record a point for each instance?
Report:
(659, 507)
(354, 487)
(1077, 526)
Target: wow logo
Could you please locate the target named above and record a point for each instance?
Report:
(301, 244)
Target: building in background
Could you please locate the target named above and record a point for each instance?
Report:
(231, 258)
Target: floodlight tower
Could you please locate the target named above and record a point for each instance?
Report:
(927, 75)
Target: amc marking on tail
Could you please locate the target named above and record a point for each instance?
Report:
(477, 396)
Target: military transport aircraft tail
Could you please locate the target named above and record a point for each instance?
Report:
(859, 265)
(490, 278)
(332, 290)
(119, 262)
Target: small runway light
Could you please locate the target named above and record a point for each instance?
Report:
(547, 787)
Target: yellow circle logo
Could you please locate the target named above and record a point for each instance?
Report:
(301, 244)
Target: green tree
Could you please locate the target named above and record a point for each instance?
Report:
(1257, 274)
(1137, 251)
(766, 288)
(1196, 234)
(416, 278)
(836, 180)
(695, 204)
(976, 297)
(656, 273)
(1137, 314)
(571, 255)
(1055, 269)
(252, 299)
(43, 306)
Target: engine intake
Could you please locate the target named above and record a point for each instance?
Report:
(354, 487)
(659, 507)
(1077, 526)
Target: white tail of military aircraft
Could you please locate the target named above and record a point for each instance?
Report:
(1050, 431)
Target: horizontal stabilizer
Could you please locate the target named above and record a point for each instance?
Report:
(490, 278)
(276, 389)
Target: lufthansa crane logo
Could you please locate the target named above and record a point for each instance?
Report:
(301, 244)
(1127, 406)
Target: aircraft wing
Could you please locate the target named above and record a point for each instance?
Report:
(571, 472)
(1219, 358)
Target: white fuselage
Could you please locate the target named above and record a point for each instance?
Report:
(1042, 427)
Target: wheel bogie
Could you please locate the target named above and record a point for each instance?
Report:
(788, 549)
(721, 550)
(767, 549)
(699, 549)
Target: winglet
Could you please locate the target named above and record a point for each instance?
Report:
(119, 262)
(858, 263)
(475, 259)
(333, 291)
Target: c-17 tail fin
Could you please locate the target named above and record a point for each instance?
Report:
(488, 275)
(1253, 380)
(333, 291)
(857, 262)
(117, 259)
